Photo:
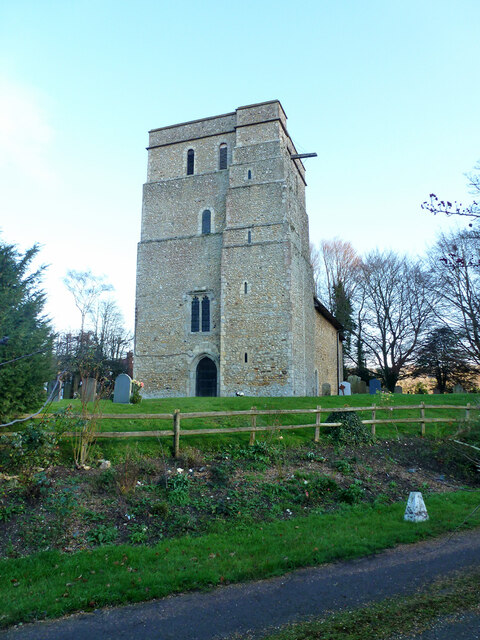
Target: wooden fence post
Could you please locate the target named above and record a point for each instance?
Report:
(374, 417)
(254, 426)
(422, 416)
(176, 433)
(318, 420)
(467, 413)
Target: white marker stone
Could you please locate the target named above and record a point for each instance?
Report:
(416, 510)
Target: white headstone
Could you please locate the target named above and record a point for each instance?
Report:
(123, 389)
(344, 389)
(416, 510)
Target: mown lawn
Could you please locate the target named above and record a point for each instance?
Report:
(452, 417)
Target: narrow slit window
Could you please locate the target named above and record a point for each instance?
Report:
(245, 287)
(195, 326)
(246, 356)
(249, 237)
(249, 174)
(222, 159)
(190, 162)
(206, 221)
(205, 314)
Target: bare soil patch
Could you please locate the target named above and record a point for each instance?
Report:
(144, 500)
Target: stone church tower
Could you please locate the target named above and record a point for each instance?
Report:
(225, 293)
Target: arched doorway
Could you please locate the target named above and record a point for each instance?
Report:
(206, 378)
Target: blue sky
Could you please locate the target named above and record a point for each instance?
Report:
(385, 92)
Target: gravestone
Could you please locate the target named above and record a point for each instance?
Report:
(362, 387)
(326, 389)
(354, 383)
(345, 389)
(123, 389)
(436, 391)
(67, 390)
(374, 385)
(88, 390)
(54, 390)
(398, 389)
(458, 389)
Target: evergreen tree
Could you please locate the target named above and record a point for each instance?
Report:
(443, 358)
(342, 309)
(25, 334)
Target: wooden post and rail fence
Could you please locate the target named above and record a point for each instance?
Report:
(253, 428)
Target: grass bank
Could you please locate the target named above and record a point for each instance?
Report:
(51, 584)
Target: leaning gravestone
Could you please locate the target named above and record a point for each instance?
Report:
(398, 389)
(374, 385)
(344, 389)
(326, 389)
(123, 389)
(89, 390)
(458, 389)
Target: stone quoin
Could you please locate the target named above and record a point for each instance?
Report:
(225, 292)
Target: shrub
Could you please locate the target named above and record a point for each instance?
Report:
(221, 473)
(102, 534)
(159, 509)
(351, 432)
(343, 466)
(136, 398)
(179, 489)
(33, 447)
(353, 494)
(138, 534)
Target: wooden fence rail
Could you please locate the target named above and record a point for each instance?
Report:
(253, 428)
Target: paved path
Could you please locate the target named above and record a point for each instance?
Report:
(467, 627)
(256, 606)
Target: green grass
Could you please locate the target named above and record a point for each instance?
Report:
(412, 614)
(51, 584)
(150, 446)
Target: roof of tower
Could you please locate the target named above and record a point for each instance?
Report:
(222, 115)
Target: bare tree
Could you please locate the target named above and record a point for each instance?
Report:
(336, 267)
(436, 205)
(337, 263)
(111, 336)
(455, 268)
(86, 290)
(397, 305)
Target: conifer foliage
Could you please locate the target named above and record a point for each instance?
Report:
(25, 333)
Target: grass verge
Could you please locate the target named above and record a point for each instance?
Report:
(393, 617)
(51, 584)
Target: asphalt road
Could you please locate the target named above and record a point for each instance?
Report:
(256, 606)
